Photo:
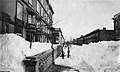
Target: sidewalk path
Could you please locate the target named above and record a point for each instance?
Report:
(60, 68)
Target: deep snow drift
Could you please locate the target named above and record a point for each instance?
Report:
(13, 49)
(95, 57)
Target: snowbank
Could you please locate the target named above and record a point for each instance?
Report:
(95, 57)
(13, 49)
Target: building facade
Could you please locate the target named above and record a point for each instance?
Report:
(28, 18)
(96, 36)
(58, 37)
(116, 20)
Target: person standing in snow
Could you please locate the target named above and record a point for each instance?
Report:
(63, 53)
(68, 52)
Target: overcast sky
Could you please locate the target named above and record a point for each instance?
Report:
(79, 17)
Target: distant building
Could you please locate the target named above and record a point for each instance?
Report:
(116, 19)
(97, 35)
(27, 18)
(58, 37)
(80, 40)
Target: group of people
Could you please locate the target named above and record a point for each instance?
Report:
(65, 45)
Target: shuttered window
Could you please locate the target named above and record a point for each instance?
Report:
(19, 10)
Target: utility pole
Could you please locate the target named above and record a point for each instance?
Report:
(68, 52)
(52, 54)
(62, 52)
(51, 38)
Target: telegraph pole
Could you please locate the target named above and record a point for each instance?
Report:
(51, 38)
(68, 52)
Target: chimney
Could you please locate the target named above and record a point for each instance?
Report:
(104, 28)
(81, 35)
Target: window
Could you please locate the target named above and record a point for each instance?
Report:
(42, 11)
(118, 16)
(46, 18)
(19, 31)
(50, 14)
(29, 19)
(46, 6)
(116, 31)
(42, 2)
(48, 31)
(42, 8)
(38, 24)
(5, 28)
(33, 19)
(19, 10)
(30, 2)
(116, 23)
(57, 39)
(43, 29)
(38, 7)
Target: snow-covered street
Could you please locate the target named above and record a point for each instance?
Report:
(95, 57)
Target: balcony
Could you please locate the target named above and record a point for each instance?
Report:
(40, 32)
(19, 22)
(31, 11)
(31, 27)
(37, 17)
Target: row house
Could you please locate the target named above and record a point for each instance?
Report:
(116, 20)
(28, 18)
(96, 36)
(58, 37)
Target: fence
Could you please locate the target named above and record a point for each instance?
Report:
(41, 61)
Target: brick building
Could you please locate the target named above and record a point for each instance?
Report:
(58, 36)
(27, 18)
(97, 35)
(116, 20)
